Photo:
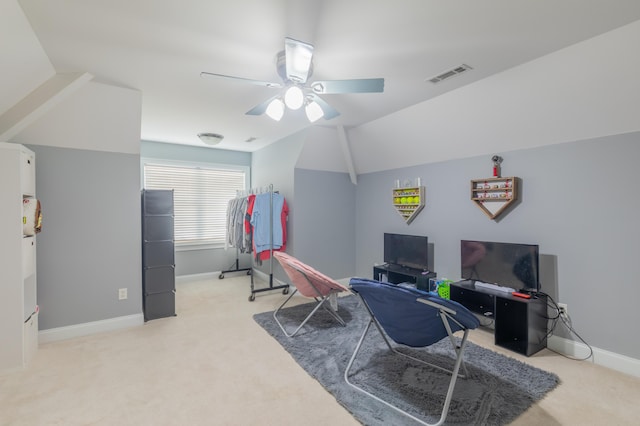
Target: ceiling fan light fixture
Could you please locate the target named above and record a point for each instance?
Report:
(293, 97)
(275, 109)
(299, 55)
(210, 138)
(314, 111)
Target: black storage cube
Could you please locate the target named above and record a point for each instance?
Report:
(159, 279)
(158, 253)
(157, 202)
(159, 305)
(158, 228)
(523, 324)
(478, 302)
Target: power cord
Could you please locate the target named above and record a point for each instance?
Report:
(566, 320)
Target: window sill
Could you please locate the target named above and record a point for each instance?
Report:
(195, 247)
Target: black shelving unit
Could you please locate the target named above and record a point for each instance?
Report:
(397, 274)
(158, 254)
(520, 324)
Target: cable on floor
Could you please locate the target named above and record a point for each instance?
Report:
(566, 320)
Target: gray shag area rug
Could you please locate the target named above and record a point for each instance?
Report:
(498, 390)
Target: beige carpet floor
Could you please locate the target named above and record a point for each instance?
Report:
(213, 365)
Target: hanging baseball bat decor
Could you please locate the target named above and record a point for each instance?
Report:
(496, 165)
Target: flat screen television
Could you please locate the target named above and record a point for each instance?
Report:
(506, 264)
(409, 251)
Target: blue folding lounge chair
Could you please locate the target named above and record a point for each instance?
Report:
(413, 318)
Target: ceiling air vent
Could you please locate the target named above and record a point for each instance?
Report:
(450, 73)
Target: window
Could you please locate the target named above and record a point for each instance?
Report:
(200, 197)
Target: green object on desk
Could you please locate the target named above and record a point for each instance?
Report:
(444, 288)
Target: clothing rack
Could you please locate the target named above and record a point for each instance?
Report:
(284, 287)
(235, 266)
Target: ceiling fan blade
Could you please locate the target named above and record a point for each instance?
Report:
(329, 111)
(362, 85)
(261, 107)
(246, 80)
(298, 56)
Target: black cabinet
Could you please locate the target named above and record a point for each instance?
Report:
(475, 301)
(397, 274)
(158, 254)
(520, 324)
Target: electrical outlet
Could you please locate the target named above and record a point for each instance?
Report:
(563, 310)
(122, 294)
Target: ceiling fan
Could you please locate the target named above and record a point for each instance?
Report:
(295, 66)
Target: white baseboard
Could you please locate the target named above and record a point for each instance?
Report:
(210, 276)
(197, 277)
(261, 275)
(602, 357)
(344, 281)
(77, 330)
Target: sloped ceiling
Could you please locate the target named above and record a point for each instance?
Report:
(584, 91)
(23, 61)
(531, 82)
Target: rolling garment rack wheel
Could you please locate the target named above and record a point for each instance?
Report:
(252, 297)
(221, 276)
(285, 290)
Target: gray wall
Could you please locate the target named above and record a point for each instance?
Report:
(89, 246)
(275, 164)
(199, 261)
(325, 204)
(577, 202)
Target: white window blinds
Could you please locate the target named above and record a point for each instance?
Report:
(200, 197)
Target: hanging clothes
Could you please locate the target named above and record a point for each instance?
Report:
(236, 234)
(268, 219)
(248, 229)
(283, 220)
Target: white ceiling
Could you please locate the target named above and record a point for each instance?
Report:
(160, 48)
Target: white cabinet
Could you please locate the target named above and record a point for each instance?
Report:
(18, 306)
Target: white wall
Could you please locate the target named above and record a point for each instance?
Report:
(587, 90)
(96, 117)
(23, 62)
(322, 151)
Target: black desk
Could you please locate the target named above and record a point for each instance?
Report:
(520, 324)
(397, 274)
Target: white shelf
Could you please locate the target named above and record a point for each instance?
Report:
(18, 304)
(409, 201)
(493, 195)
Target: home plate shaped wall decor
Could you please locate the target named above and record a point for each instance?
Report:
(494, 195)
(408, 201)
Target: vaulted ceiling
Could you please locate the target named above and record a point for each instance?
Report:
(160, 49)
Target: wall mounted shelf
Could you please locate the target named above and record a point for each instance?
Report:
(409, 201)
(494, 195)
